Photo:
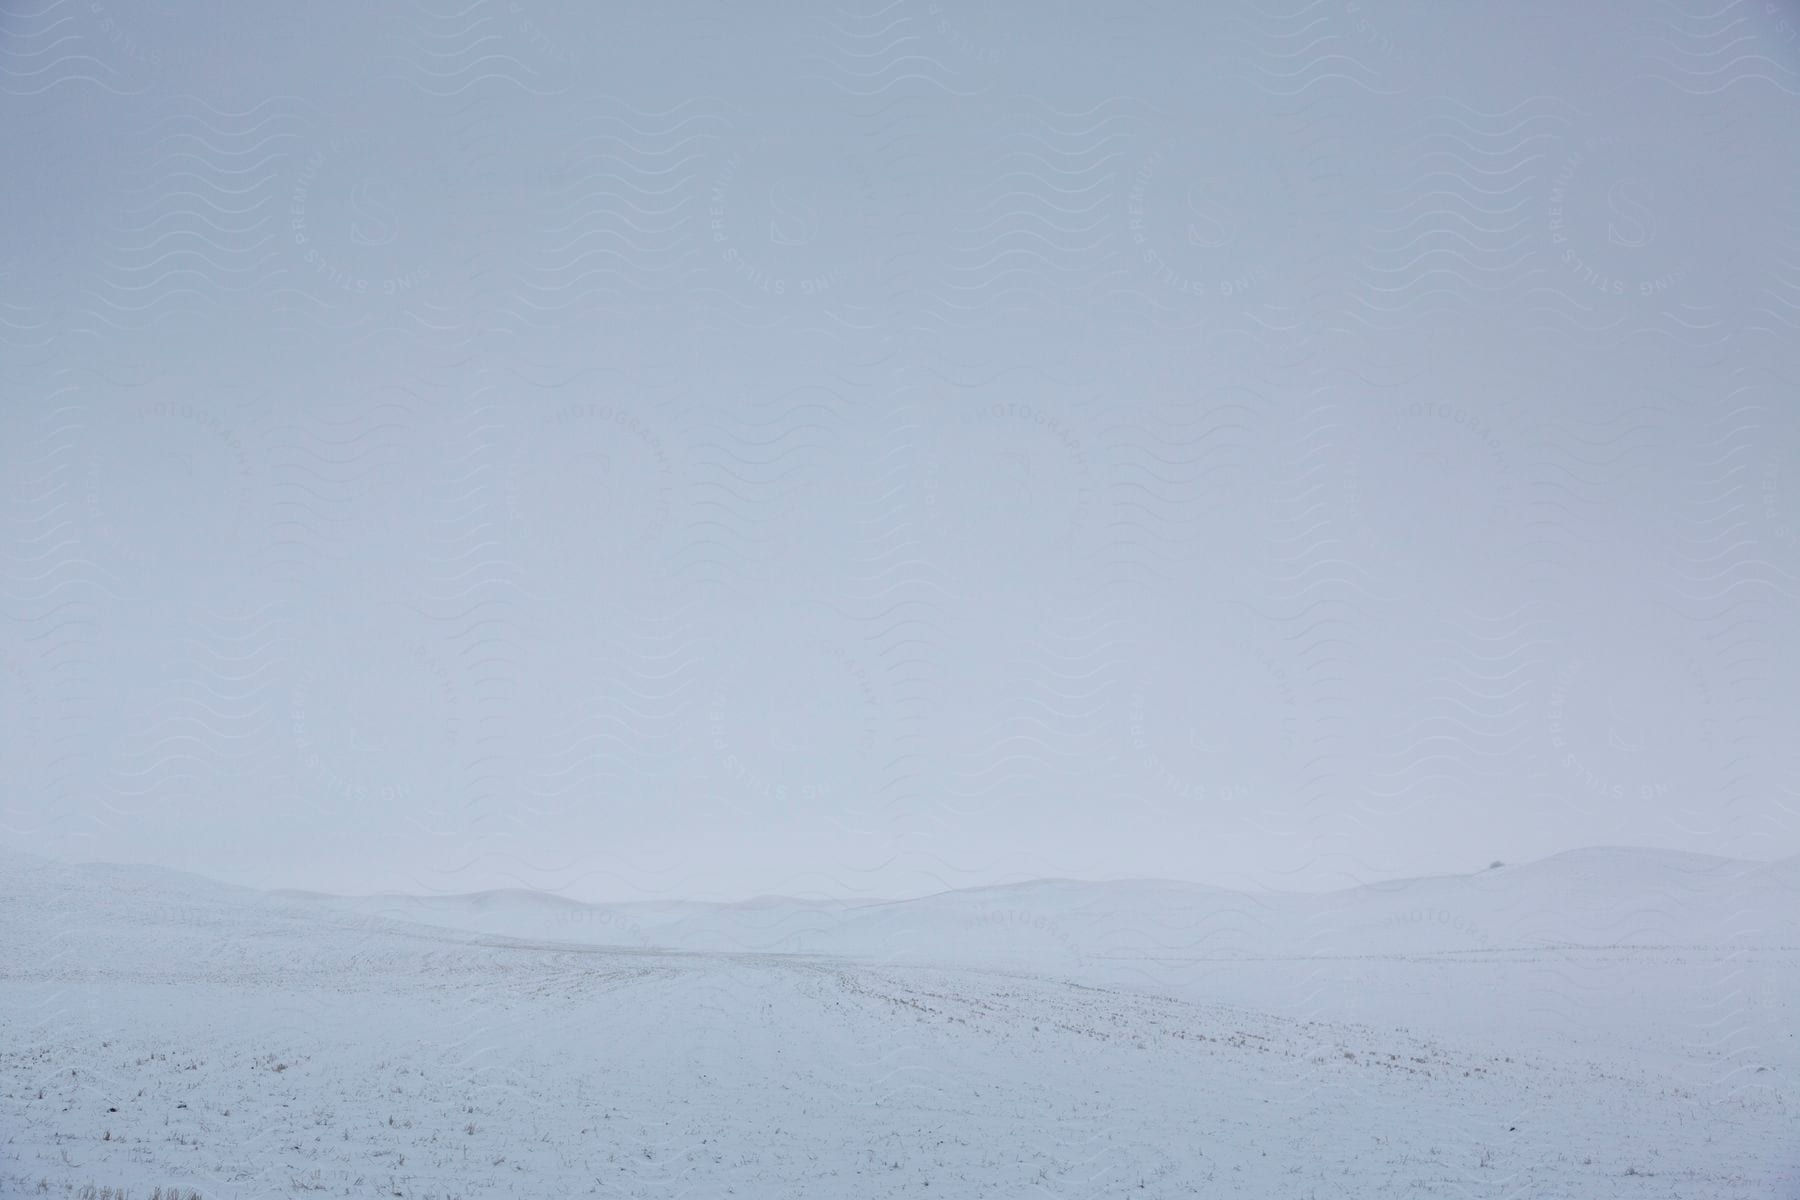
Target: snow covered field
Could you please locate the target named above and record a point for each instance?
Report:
(1436, 1038)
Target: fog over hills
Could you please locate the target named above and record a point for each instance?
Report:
(1594, 896)
(1598, 896)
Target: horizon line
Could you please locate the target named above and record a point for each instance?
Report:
(877, 902)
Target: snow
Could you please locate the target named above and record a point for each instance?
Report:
(1606, 1023)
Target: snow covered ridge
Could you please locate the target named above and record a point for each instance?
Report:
(1593, 897)
(161, 1031)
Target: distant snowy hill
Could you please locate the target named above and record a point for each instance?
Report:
(1151, 931)
(1591, 897)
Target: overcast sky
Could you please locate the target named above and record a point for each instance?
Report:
(863, 448)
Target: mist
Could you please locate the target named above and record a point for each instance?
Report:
(865, 451)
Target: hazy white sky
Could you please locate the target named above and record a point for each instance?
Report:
(880, 447)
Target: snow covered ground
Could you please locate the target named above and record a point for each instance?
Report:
(1609, 1023)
